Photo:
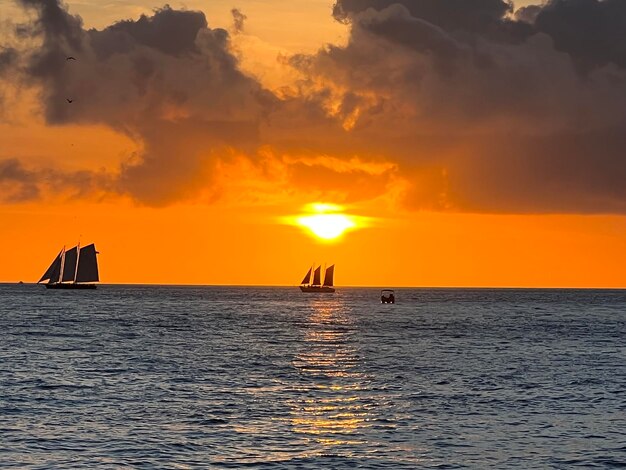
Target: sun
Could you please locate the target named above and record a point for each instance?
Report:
(325, 222)
(326, 226)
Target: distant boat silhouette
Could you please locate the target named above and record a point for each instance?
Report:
(387, 296)
(73, 268)
(316, 286)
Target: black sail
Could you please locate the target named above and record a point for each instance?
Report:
(317, 275)
(87, 265)
(329, 276)
(307, 278)
(54, 271)
(69, 267)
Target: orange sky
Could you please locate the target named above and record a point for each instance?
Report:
(200, 244)
(226, 225)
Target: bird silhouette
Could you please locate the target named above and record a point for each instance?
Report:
(70, 58)
(69, 100)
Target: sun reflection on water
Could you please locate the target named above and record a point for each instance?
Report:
(331, 410)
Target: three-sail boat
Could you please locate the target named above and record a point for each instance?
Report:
(72, 269)
(316, 286)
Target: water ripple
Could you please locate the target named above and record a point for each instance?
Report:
(182, 377)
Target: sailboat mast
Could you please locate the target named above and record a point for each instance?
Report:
(62, 265)
(77, 261)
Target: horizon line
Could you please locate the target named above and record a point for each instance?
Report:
(342, 287)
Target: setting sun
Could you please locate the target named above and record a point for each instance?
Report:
(327, 226)
(326, 222)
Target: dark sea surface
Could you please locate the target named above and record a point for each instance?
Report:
(197, 377)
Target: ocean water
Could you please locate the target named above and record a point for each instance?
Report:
(215, 377)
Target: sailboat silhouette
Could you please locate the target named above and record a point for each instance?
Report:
(72, 269)
(316, 286)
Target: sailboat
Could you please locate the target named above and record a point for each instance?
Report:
(73, 269)
(316, 286)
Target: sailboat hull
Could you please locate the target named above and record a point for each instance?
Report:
(317, 289)
(70, 286)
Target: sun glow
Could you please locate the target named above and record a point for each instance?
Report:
(326, 226)
(326, 222)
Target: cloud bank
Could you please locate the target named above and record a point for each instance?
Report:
(516, 115)
(470, 105)
(167, 80)
(19, 183)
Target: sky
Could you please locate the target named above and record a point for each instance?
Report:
(409, 142)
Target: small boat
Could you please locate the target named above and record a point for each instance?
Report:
(316, 286)
(387, 296)
(75, 268)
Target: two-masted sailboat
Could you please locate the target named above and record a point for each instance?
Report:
(316, 286)
(73, 269)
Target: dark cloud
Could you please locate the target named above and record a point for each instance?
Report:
(8, 60)
(239, 20)
(484, 112)
(167, 80)
(592, 31)
(168, 31)
(8, 57)
(17, 184)
(467, 15)
(170, 83)
(480, 109)
(53, 20)
(347, 183)
(21, 184)
(397, 24)
(581, 172)
(179, 157)
(459, 17)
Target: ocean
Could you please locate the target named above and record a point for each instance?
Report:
(244, 377)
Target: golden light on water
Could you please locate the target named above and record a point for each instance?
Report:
(330, 364)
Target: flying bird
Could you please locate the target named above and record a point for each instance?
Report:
(70, 58)
(69, 100)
